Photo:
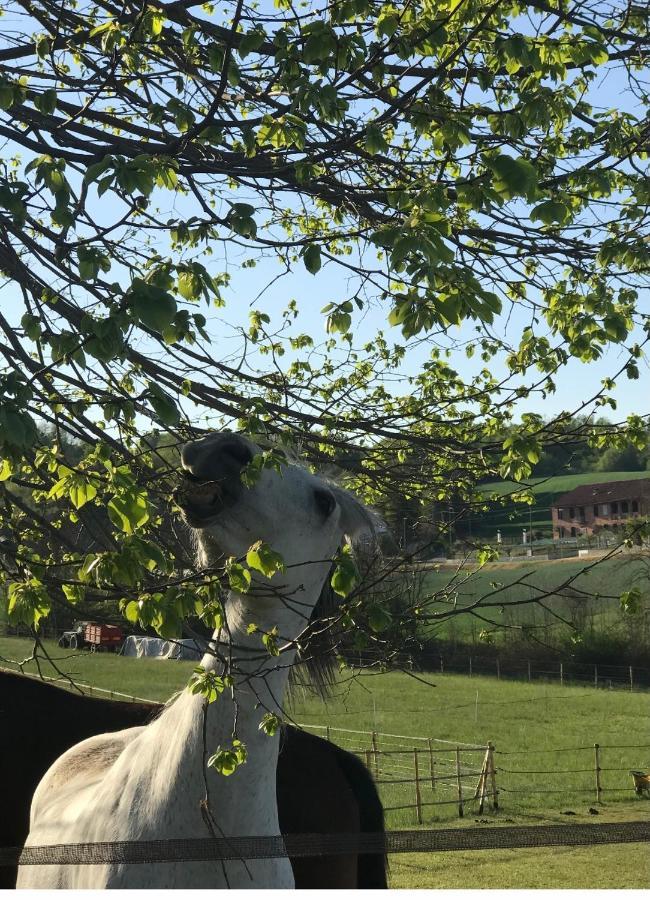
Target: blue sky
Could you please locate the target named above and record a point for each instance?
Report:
(576, 383)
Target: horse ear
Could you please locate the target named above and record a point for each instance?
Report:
(360, 524)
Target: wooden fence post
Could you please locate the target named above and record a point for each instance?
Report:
(418, 798)
(442, 666)
(599, 788)
(431, 766)
(470, 667)
(562, 674)
(481, 787)
(498, 668)
(595, 676)
(459, 784)
(493, 777)
(375, 753)
(631, 680)
(484, 787)
(530, 674)
(327, 732)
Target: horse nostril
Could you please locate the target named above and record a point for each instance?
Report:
(215, 457)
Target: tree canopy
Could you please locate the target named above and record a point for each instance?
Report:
(451, 166)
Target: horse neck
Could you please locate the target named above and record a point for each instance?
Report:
(244, 802)
(259, 680)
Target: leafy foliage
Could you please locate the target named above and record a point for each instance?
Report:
(226, 760)
(448, 167)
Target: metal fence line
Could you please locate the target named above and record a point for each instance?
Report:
(466, 783)
(307, 845)
(572, 749)
(507, 790)
(384, 734)
(562, 771)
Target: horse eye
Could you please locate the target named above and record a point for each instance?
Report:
(325, 501)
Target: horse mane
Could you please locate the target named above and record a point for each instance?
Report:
(316, 655)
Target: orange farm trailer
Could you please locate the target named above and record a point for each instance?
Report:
(103, 637)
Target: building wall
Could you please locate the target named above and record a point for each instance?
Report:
(570, 521)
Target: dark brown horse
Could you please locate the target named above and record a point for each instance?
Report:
(320, 787)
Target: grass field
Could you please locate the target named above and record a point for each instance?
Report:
(604, 583)
(559, 484)
(150, 679)
(525, 721)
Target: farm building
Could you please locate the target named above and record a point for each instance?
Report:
(591, 507)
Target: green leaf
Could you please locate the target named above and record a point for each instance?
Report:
(32, 326)
(379, 619)
(11, 92)
(227, 760)
(239, 577)
(631, 601)
(240, 219)
(311, 258)
(551, 211)
(262, 558)
(251, 41)
(96, 169)
(28, 602)
(486, 554)
(17, 428)
(81, 491)
(513, 177)
(90, 565)
(153, 306)
(128, 510)
(43, 46)
(74, 593)
(190, 285)
(207, 683)
(270, 724)
(153, 22)
(340, 318)
(183, 115)
(375, 140)
(131, 612)
(46, 102)
(270, 641)
(345, 576)
(387, 21)
(216, 56)
(163, 405)
(6, 470)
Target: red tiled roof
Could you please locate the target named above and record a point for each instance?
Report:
(605, 492)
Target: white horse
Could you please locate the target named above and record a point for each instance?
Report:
(149, 783)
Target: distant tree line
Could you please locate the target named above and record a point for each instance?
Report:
(576, 455)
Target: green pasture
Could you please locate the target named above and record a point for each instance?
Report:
(597, 606)
(150, 679)
(558, 484)
(527, 722)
